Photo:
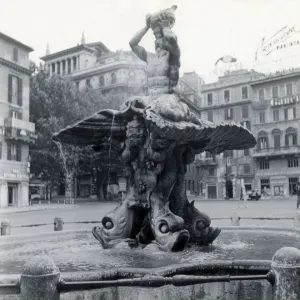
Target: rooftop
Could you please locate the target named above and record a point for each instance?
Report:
(16, 42)
(88, 47)
(232, 78)
(279, 75)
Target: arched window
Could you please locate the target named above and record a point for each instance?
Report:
(291, 136)
(113, 78)
(277, 137)
(262, 140)
(101, 81)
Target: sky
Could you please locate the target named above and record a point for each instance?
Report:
(206, 29)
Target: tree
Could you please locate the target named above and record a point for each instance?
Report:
(54, 104)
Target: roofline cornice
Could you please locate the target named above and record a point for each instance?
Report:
(275, 78)
(16, 42)
(65, 52)
(14, 66)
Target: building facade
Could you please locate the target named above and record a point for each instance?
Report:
(16, 132)
(229, 99)
(189, 87)
(269, 106)
(276, 125)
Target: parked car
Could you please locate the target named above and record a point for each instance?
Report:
(35, 197)
(254, 195)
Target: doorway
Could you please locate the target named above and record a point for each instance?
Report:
(229, 189)
(12, 193)
(212, 192)
(292, 185)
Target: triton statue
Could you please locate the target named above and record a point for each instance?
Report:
(156, 137)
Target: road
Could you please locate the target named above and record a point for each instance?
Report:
(95, 211)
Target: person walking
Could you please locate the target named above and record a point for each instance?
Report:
(298, 194)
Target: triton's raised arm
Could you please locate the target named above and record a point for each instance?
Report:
(170, 36)
(134, 42)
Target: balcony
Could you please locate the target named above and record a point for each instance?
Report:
(278, 151)
(20, 124)
(19, 130)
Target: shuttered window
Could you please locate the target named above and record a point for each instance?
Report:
(15, 90)
(14, 152)
(10, 88)
(20, 92)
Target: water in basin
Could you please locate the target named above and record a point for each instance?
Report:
(81, 252)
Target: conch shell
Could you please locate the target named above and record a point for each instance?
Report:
(166, 14)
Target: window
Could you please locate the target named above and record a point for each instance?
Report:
(293, 162)
(289, 89)
(210, 116)
(15, 114)
(245, 92)
(248, 187)
(262, 141)
(290, 113)
(275, 91)
(246, 169)
(211, 171)
(246, 152)
(113, 78)
(0, 150)
(15, 90)
(228, 113)
(88, 82)
(264, 164)
(262, 118)
(229, 170)
(246, 124)
(14, 151)
(15, 54)
(228, 153)
(245, 111)
(101, 81)
(278, 190)
(277, 141)
(261, 94)
(276, 115)
(290, 137)
(53, 68)
(208, 154)
(227, 96)
(77, 85)
(209, 99)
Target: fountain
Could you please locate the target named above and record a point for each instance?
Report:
(156, 136)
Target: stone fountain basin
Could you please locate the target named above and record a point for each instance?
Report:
(78, 251)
